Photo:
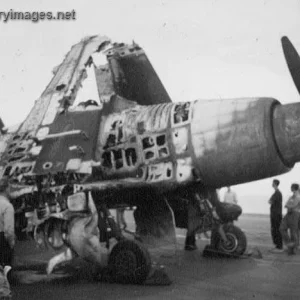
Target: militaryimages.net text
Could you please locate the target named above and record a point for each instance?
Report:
(36, 16)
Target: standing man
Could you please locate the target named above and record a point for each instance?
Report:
(276, 216)
(230, 196)
(7, 237)
(290, 220)
(193, 222)
(7, 226)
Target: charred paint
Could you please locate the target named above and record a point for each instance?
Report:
(163, 145)
(67, 79)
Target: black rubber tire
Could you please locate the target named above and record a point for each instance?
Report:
(237, 238)
(129, 262)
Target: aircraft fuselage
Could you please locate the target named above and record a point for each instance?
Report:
(176, 143)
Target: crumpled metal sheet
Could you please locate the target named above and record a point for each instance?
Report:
(61, 91)
(68, 77)
(104, 83)
(147, 118)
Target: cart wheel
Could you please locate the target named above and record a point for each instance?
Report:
(129, 262)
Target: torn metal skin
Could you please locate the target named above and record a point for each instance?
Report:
(59, 94)
(136, 147)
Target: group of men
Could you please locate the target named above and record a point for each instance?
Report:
(285, 230)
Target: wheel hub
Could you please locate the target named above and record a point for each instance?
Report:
(231, 244)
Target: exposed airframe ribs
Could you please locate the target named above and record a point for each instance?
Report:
(123, 78)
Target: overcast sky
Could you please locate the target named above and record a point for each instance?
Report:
(200, 49)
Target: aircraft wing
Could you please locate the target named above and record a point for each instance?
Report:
(20, 150)
(125, 79)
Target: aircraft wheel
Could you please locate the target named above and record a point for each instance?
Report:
(237, 241)
(129, 262)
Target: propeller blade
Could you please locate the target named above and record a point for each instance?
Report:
(292, 59)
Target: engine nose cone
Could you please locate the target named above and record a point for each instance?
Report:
(286, 124)
(234, 142)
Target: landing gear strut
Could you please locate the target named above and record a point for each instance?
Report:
(129, 261)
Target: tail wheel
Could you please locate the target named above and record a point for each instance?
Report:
(129, 262)
(236, 241)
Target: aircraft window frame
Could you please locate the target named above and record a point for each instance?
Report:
(163, 152)
(115, 133)
(16, 137)
(18, 157)
(108, 163)
(111, 140)
(161, 143)
(160, 171)
(148, 142)
(181, 113)
(131, 157)
(116, 128)
(7, 170)
(12, 145)
(120, 158)
(169, 172)
(20, 150)
(151, 153)
(158, 146)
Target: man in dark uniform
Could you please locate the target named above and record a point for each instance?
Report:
(276, 216)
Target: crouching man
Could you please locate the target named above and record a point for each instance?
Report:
(290, 220)
(82, 232)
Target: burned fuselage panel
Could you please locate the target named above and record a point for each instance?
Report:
(129, 142)
(171, 144)
(140, 141)
(181, 113)
(24, 147)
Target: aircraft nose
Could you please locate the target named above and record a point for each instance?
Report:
(286, 124)
(241, 140)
